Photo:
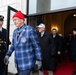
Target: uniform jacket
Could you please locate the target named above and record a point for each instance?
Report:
(2, 48)
(26, 48)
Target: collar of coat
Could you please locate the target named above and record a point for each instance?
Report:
(24, 26)
(45, 33)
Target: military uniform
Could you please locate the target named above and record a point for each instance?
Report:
(2, 46)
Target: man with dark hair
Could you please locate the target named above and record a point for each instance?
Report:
(58, 43)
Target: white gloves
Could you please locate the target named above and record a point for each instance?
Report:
(39, 64)
(59, 52)
(6, 60)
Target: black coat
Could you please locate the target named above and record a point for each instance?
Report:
(73, 48)
(64, 44)
(2, 48)
(58, 42)
(48, 51)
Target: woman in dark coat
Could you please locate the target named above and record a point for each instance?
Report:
(48, 50)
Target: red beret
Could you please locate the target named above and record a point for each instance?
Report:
(19, 14)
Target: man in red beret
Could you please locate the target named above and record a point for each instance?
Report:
(26, 46)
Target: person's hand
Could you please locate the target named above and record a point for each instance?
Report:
(59, 52)
(6, 60)
(39, 64)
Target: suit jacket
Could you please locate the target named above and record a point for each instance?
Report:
(26, 48)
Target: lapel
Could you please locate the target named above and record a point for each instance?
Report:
(44, 34)
(54, 37)
(21, 35)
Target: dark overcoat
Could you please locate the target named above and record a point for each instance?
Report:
(58, 42)
(73, 49)
(2, 49)
(48, 52)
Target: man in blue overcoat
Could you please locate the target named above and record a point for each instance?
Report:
(26, 46)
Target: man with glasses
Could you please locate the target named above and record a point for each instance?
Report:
(26, 46)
